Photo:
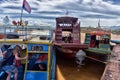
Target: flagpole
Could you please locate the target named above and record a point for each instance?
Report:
(21, 18)
(21, 14)
(27, 7)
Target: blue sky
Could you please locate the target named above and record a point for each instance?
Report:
(45, 11)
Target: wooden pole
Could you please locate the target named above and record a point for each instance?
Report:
(95, 59)
(21, 14)
(21, 18)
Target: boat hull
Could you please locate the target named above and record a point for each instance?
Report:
(9, 36)
(69, 50)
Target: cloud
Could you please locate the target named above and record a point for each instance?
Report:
(88, 11)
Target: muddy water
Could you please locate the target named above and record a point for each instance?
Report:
(67, 70)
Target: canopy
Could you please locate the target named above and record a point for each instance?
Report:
(100, 33)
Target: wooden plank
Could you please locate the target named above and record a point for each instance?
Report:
(112, 71)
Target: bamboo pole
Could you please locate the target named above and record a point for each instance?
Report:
(95, 59)
(21, 18)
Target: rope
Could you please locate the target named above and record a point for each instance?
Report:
(95, 59)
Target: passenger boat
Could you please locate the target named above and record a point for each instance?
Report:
(41, 61)
(99, 44)
(112, 69)
(67, 36)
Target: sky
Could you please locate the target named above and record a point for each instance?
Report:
(45, 11)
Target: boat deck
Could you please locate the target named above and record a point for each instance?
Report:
(74, 46)
(112, 70)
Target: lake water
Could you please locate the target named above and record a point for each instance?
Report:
(68, 70)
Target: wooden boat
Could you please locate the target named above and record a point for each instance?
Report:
(112, 69)
(67, 36)
(99, 44)
(67, 68)
(41, 61)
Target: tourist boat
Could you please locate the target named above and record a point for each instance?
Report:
(41, 61)
(112, 70)
(67, 36)
(99, 44)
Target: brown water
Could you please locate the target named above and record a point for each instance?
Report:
(67, 70)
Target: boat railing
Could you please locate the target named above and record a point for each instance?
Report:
(26, 33)
(68, 25)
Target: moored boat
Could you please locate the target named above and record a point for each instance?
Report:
(112, 69)
(99, 44)
(67, 36)
(40, 62)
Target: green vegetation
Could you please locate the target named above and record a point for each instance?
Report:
(116, 31)
(88, 29)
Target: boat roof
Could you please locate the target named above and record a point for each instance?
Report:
(99, 32)
(66, 19)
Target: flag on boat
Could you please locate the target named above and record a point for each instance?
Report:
(26, 6)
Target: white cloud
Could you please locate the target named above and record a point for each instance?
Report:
(88, 11)
(103, 22)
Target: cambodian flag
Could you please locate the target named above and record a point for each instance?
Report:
(26, 6)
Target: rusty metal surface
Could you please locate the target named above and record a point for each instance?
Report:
(112, 70)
